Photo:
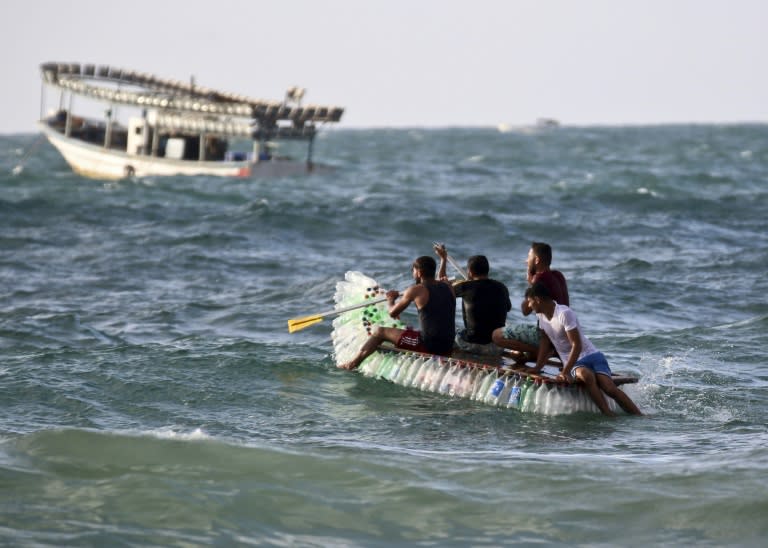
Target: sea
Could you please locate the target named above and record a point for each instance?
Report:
(151, 394)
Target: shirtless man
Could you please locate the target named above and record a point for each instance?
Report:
(436, 304)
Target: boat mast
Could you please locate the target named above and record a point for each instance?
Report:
(43, 86)
(68, 124)
(309, 152)
(108, 132)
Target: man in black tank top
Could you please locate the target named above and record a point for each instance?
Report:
(436, 304)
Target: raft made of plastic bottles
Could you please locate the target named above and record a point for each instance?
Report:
(500, 383)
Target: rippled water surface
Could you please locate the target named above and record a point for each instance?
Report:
(150, 393)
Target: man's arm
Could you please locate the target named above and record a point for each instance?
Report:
(442, 252)
(575, 339)
(532, 276)
(408, 296)
(544, 351)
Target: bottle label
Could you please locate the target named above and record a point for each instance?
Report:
(514, 396)
(497, 387)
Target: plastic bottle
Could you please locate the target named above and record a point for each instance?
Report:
(484, 385)
(371, 364)
(450, 379)
(428, 374)
(439, 373)
(412, 371)
(547, 398)
(420, 373)
(513, 397)
(462, 373)
(497, 389)
(525, 388)
(394, 368)
(504, 396)
(384, 366)
(405, 369)
(467, 383)
(541, 397)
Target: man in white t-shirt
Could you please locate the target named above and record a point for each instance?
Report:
(581, 360)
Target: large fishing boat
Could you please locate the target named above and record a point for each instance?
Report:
(498, 381)
(153, 126)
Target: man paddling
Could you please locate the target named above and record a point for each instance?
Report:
(436, 305)
(581, 360)
(484, 304)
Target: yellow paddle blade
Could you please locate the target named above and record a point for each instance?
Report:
(297, 324)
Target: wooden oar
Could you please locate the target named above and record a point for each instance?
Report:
(297, 324)
(457, 267)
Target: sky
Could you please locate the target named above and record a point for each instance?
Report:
(416, 63)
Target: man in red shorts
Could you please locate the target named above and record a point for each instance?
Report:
(436, 305)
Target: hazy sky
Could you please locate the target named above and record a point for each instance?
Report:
(416, 62)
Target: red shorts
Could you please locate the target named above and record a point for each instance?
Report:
(410, 339)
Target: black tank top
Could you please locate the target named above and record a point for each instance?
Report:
(437, 320)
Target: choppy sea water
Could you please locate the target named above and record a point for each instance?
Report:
(150, 393)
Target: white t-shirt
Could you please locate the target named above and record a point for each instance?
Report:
(564, 319)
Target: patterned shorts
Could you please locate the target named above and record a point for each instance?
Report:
(525, 333)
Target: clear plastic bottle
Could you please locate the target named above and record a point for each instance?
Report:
(450, 379)
(429, 374)
(525, 388)
(405, 369)
(457, 390)
(420, 374)
(496, 390)
(513, 397)
(371, 364)
(484, 385)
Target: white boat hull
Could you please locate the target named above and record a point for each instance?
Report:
(98, 162)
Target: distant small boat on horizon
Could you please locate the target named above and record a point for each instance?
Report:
(541, 124)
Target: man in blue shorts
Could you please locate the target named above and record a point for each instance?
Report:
(436, 304)
(581, 360)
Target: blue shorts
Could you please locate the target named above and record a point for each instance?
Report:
(595, 362)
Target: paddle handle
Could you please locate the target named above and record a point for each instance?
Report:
(457, 267)
(355, 306)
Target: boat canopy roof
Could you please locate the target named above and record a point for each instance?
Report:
(181, 97)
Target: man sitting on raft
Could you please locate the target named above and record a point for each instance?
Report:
(484, 304)
(436, 304)
(581, 360)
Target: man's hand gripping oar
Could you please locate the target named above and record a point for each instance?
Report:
(440, 250)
